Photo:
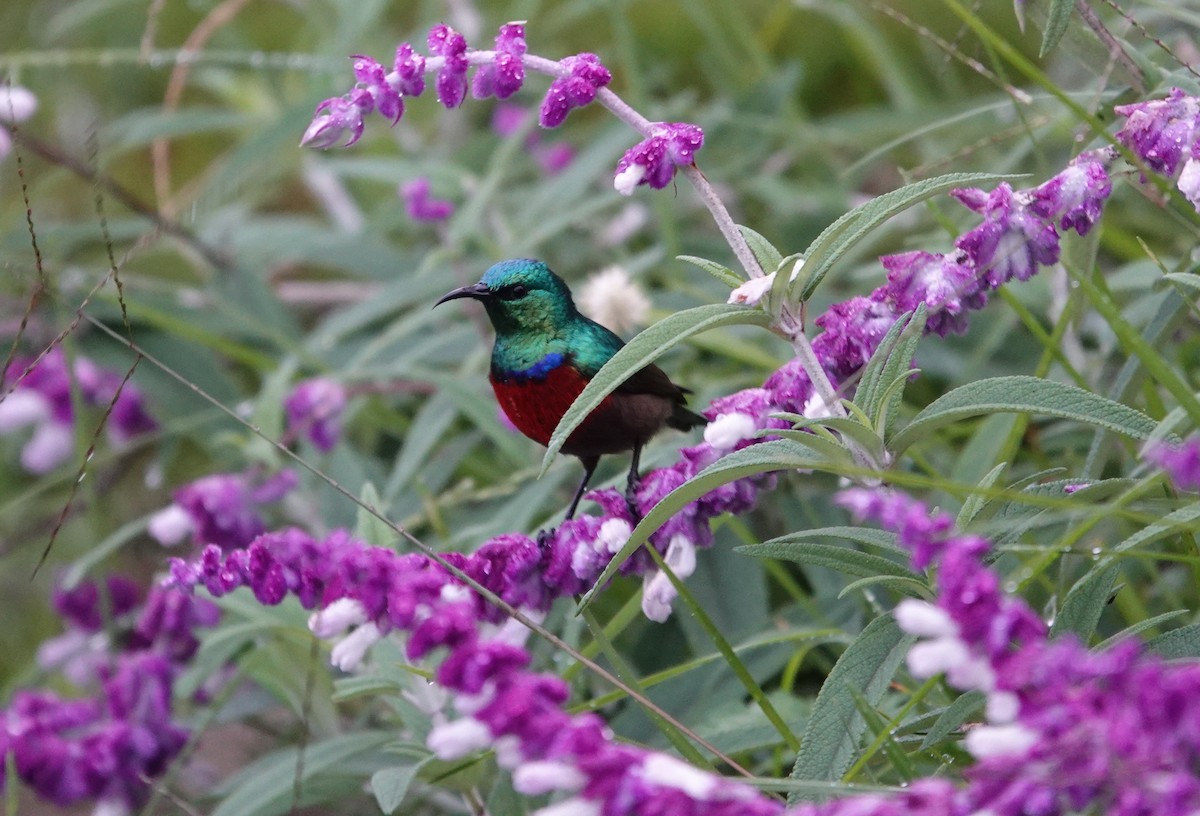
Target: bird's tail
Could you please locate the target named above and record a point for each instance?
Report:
(684, 420)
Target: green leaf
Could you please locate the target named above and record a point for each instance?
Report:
(722, 273)
(839, 237)
(835, 725)
(780, 454)
(1189, 279)
(1179, 643)
(1058, 17)
(1084, 604)
(390, 785)
(1024, 395)
(903, 585)
(842, 559)
(822, 444)
(768, 256)
(849, 427)
(368, 525)
(640, 352)
(860, 535)
(892, 358)
(966, 706)
(1141, 626)
(265, 787)
(976, 501)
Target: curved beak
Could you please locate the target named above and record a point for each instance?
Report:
(476, 290)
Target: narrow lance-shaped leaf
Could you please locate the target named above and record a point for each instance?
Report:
(1058, 17)
(835, 726)
(766, 253)
(722, 273)
(1024, 395)
(640, 352)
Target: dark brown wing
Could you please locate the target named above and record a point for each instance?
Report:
(653, 380)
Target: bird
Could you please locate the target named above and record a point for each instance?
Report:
(546, 352)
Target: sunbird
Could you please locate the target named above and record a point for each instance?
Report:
(544, 355)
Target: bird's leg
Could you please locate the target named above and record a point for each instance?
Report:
(589, 467)
(632, 482)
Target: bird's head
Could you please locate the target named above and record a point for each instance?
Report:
(521, 295)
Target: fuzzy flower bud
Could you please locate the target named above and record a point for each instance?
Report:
(451, 81)
(372, 79)
(585, 77)
(653, 160)
(503, 77)
(336, 117)
(408, 71)
(1162, 132)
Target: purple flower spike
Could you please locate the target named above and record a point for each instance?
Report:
(409, 71)
(451, 82)
(1162, 132)
(504, 77)
(1012, 241)
(314, 409)
(421, 206)
(336, 117)
(585, 76)
(653, 160)
(1075, 197)
(373, 80)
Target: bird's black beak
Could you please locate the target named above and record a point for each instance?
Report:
(476, 290)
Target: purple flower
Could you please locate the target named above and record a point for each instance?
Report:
(420, 205)
(504, 76)
(1162, 132)
(38, 393)
(314, 410)
(84, 608)
(653, 160)
(584, 77)
(852, 331)
(336, 117)
(451, 81)
(1012, 241)
(222, 509)
(1069, 730)
(946, 285)
(372, 79)
(409, 71)
(112, 745)
(1181, 462)
(1074, 199)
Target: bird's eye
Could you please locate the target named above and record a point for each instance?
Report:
(514, 292)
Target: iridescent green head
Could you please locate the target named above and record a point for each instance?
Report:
(522, 296)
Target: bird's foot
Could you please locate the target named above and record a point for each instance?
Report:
(631, 503)
(544, 538)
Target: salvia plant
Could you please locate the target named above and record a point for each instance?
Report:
(926, 271)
